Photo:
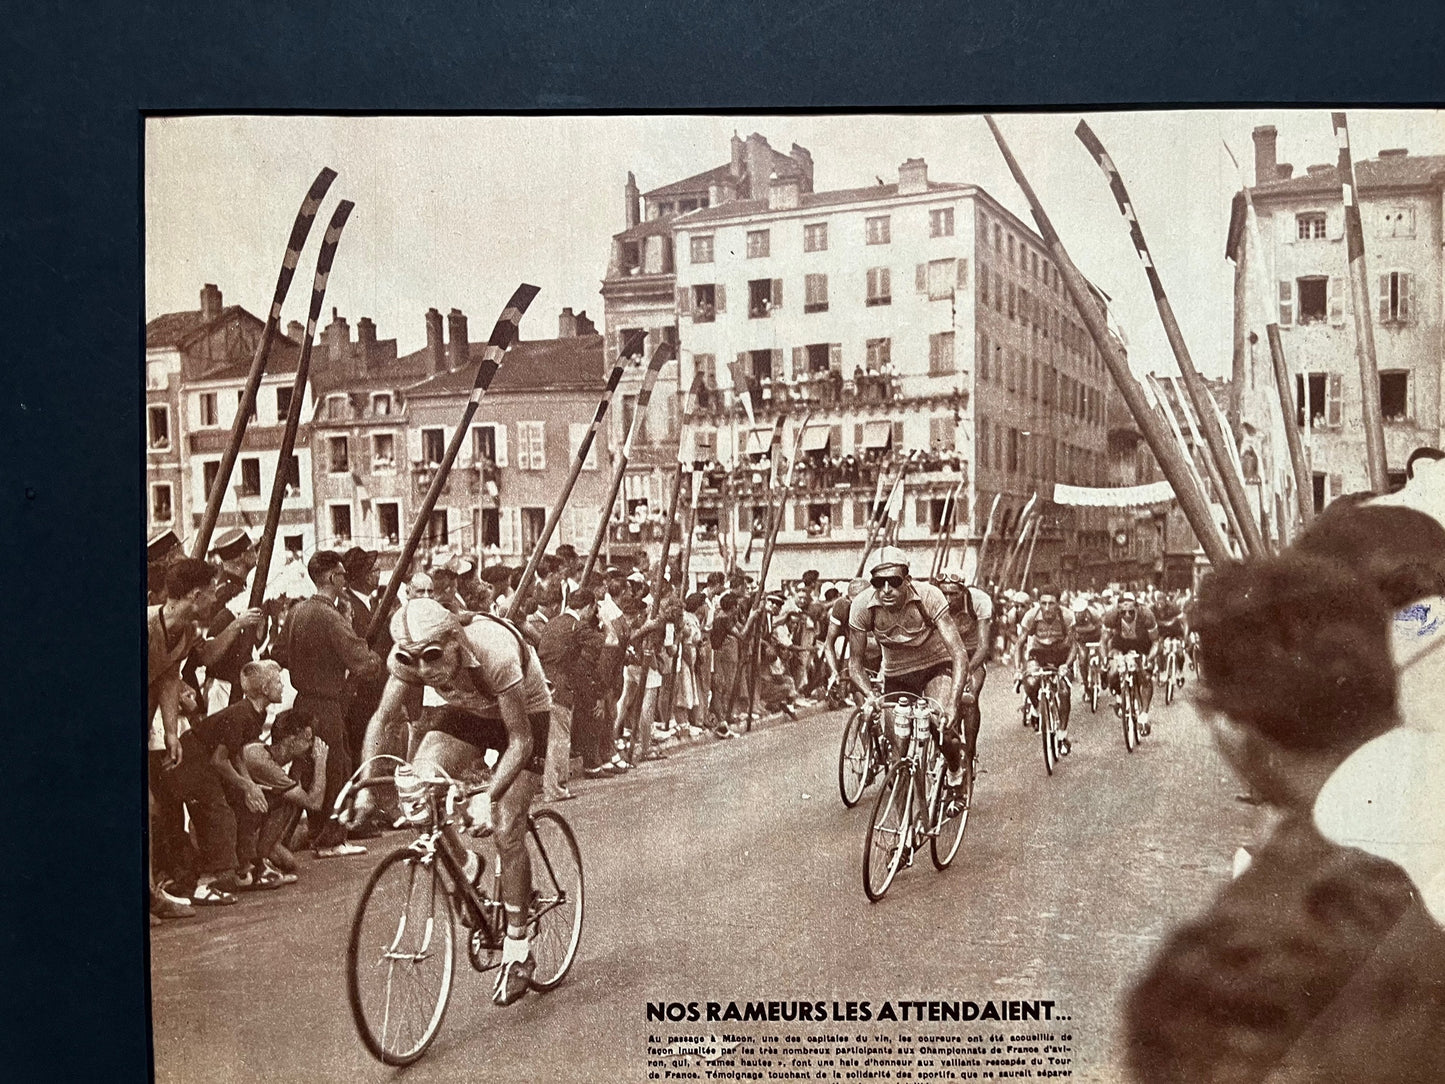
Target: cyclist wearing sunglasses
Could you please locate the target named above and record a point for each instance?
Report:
(496, 698)
(1046, 638)
(923, 654)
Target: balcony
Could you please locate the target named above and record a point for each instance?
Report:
(473, 483)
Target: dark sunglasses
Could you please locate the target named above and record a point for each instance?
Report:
(880, 582)
(430, 654)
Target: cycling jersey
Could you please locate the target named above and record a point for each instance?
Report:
(1087, 627)
(1047, 631)
(969, 618)
(1131, 635)
(909, 634)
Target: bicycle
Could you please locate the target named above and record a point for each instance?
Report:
(1173, 652)
(1052, 687)
(897, 830)
(865, 752)
(1191, 649)
(400, 955)
(1129, 700)
(1091, 677)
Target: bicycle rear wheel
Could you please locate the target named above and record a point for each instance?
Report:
(1092, 687)
(399, 958)
(949, 837)
(855, 759)
(1047, 725)
(887, 832)
(557, 897)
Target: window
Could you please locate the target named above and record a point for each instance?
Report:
(879, 353)
(1398, 222)
(983, 357)
(1012, 252)
(1313, 299)
(940, 222)
(982, 284)
(880, 292)
(937, 512)
(757, 243)
(209, 414)
(983, 446)
(942, 433)
(491, 527)
(292, 478)
(241, 398)
(283, 403)
(340, 522)
(383, 452)
(381, 404)
(998, 239)
(815, 293)
(158, 426)
(877, 231)
(161, 507)
(484, 445)
(818, 355)
(1395, 300)
(1320, 395)
(533, 521)
(997, 292)
(155, 375)
(704, 302)
(250, 477)
(1012, 302)
(1318, 486)
(433, 446)
(209, 471)
(338, 407)
(338, 454)
(764, 295)
(532, 445)
(388, 520)
(940, 354)
(762, 364)
(1034, 264)
(941, 277)
(815, 237)
(1311, 226)
(436, 528)
(1286, 303)
(576, 433)
(1395, 396)
(700, 248)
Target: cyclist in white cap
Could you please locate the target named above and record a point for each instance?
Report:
(496, 698)
(923, 653)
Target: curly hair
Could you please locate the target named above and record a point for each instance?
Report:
(1298, 648)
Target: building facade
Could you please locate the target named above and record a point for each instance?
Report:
(1304, 267)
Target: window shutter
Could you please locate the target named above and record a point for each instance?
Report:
(1285, 228)
(1384, 298)
(1404, 278)
(504, 529)
(413, 445)
(920, 278)
(500, 429)
(1334, 400)
(982, 283)
(1410, 396)
(897, 435)
(776, 362)
(720, 298)
(835, 445)
(835, 362)
(684, 300)
(1286, 303)
(800, 361)
(1335, 223)
(1337, 300)
(777, 293)
(800, 513)
(962, 273)
(858, 438)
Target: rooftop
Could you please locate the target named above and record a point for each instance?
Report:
(574, 364)
(807, 200)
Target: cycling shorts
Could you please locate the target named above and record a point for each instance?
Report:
(483, 733)
(1126, 646)
(1171, 632)
(915, 682)
(1049, 654)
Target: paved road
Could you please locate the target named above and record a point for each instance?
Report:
(731, 871)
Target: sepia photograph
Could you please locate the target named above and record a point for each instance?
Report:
(853, 596)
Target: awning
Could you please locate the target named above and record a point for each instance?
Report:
(815, 437)
(759, 441)
(877, 434)
(1118, 497)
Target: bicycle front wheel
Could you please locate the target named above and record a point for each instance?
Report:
(557, 897)
(888, 832)
(1047, 729)
(855, 759)
(1129, 712)
(949, 837)
(1169, 681)
(400, 959)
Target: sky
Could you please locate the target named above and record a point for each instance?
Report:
(454, 212)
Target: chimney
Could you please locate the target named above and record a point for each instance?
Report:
(338, 336)
(634, 216)
(735, 162)
(913, 177)
(1319, 170)
(783, 192)
(720, 192)
(456, 339)
(296, 330)
(210, 302)
(804, 158)
(1266, 161)
(1395, 152)
(365, 340)
(1284, 171)
(758, 165)
(567, 324)
(435, 353)
(585, 326)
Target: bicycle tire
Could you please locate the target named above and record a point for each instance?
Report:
(944, 844)
(404, 898)
(1047, 732)
(855, 759)
(887, 829)
(558, 897)
(1092, 687)
(1129, 713)
(1169, 680)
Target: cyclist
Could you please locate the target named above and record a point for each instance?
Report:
(835, 639)
(923, 654)
(495, 698)
(1173, 628)
(1130, 627)
(1088, 631)
(972, 611)
(1046, 638)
